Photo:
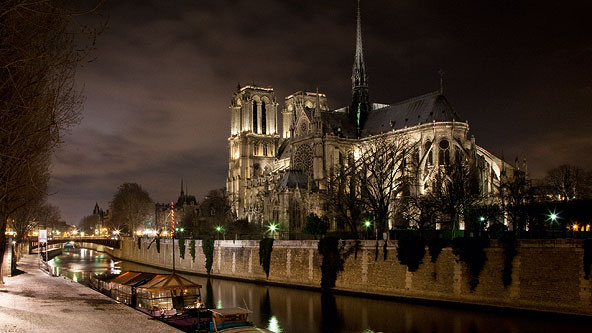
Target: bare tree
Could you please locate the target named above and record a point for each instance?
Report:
(88, 223)
(131, 206)
(343, 198)
(566, 182)
(383, 175)
(36, 213)
(420, 211)
(41, 45)
(215, 209)
(516, 195)
(454, 190)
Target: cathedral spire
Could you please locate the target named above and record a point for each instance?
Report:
(360, 98)
(359, 77)
(182, 193)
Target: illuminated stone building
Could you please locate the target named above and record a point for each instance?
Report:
(280, 178)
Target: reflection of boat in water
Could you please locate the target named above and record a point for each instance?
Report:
(172, 299)
(69, 245)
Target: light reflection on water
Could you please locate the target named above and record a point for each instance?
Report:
(292, 310)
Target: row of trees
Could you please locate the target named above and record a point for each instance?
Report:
(383, 184)
(41, 46)
(132, 208)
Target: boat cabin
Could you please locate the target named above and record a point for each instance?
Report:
(165, 292)
(123, 286)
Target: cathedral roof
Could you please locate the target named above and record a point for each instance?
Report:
(338, 124)
(419, 110)
(293, 179)
(284, 149)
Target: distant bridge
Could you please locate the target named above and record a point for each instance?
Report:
(114, 243)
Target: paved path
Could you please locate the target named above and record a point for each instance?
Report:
(36, 302)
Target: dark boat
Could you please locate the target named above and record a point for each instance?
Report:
(172, 299)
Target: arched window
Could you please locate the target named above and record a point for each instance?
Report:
(255, 116)
(263, 119)
(256, 149)
(430, 159)
(444, 155)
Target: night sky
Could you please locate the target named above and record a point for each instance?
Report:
(157, 95)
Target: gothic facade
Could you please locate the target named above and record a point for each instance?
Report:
(281, 178)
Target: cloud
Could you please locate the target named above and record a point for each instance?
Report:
(157, 96)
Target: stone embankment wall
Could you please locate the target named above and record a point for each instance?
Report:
(547, 275)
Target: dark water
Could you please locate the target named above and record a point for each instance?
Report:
(292, 310)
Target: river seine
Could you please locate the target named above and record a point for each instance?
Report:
(293, 310)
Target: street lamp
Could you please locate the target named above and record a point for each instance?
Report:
(219, 229)
(368, 225)
(272, 228)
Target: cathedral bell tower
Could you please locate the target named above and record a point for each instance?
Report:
(360, 106)
(253, 141)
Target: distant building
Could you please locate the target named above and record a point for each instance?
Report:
(273, 177)
(186, 207)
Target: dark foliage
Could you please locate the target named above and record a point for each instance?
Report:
(435, 246)
(315, 225)
(207, 246)
(182, 248)
(410, 252)
(192, 249)
(587, 257)
(508, 241)
(471, 251)
(265, 248)
(332, 261)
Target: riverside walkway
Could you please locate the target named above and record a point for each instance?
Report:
(34, 301)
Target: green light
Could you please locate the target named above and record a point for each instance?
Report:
(218, 228)
(272, 227)
(367, 224)
(482, 219)
(274, 325)
(182, 229)
(553, 216)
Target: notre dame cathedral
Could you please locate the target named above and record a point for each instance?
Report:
(279, 177)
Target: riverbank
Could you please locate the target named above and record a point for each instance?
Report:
(545, 275)
(33, 301)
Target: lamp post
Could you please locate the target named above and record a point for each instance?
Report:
(272, 228)
(219, 229)
(368, 225)
(553, 217)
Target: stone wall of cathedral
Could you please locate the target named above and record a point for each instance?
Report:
(259, 159)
